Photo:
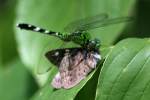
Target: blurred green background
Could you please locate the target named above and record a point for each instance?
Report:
(22, 53)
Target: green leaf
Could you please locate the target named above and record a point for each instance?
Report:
(15, 82)
(55, 15)
(125, 73)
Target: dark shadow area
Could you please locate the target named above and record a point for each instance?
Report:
(3, 3)
(32, 86)
(143, 18)
(140, 27)
(7, 38)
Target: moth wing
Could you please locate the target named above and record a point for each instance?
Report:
(56, 56)
(65, 63)
(57, 82)
(75, 76)
(80, 69)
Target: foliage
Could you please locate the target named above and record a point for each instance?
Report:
(122, 75)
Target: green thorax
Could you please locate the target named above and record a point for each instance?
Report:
(81, 38)
(78, 38)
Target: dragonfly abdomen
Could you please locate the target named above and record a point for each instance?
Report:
(44, 31)
(36, 29)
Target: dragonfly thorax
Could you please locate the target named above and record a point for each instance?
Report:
(80, 38)
(84, 39)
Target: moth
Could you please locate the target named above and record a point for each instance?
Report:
(74, 65)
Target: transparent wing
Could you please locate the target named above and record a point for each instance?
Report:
(95, 22)
(76, 26)
(104, 23)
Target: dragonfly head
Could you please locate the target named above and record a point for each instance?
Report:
(94, 44)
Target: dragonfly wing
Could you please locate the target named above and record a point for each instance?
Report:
(106, 22)
(76, 26)
(97, 21)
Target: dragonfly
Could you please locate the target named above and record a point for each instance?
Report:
(74, 64)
